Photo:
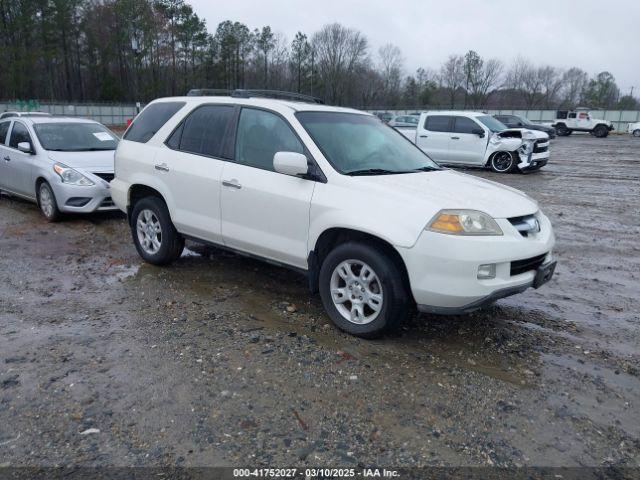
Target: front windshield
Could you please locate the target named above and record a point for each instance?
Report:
(75, 137)
(492, 124)
(355, 143)
(525, 121)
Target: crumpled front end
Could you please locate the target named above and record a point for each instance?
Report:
(530, 147)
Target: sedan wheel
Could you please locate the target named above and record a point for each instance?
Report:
(47, 202)
(356, 292)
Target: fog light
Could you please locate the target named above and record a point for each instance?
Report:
(487, 271)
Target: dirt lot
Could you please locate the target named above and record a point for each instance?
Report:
(203, 364)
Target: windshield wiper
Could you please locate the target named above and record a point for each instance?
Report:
(376, 171)
(426, 168)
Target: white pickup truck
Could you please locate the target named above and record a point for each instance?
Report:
(478, 139)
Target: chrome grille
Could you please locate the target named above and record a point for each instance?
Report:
(526, 224)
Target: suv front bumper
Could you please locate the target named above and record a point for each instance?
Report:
(443, 269)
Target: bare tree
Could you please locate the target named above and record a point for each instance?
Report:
(481, 78)
(551, 82)
(574, 83)
(338, 53)
(391, 67)
(452, 76)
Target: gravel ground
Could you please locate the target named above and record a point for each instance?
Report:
(223, 360)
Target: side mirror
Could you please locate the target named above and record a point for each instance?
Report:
(25, 147)
(479, 132)
(290, 163)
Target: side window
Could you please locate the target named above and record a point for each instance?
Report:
(572, 115)
(465, 125)
(203, 131)
(150, 120)
(19, 134)
(437, 123)
(4, 129)
(260, 136)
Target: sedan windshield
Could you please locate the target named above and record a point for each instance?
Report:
(358, 144)
(525, 121)
(75, 137)
(492, 124)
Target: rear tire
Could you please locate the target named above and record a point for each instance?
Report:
(636, 133)
(502, 162)
(362, 290)
(601, 131)
(47, 202)
(156, 239)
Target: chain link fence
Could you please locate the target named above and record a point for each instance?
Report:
(111, 114)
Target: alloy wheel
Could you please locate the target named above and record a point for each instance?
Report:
(502, 161)
(356, 292)
(149, 231)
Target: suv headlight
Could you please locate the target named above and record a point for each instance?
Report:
(464, 222)
(71, 176)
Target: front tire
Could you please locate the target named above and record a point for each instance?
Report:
(362, 290)
(601, 131)
(636, 133)
(502, 162)
(156, 239)
(562, 130)
(48, 203)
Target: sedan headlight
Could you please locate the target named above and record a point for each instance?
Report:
(71, 176)
(464, 222)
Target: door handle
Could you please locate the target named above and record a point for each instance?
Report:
(7, 159)
(455, 138)
(231, 184)
(424, 136)
(162, 167)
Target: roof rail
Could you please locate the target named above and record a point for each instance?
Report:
(242, 93)
(208, 92)
(296, 97)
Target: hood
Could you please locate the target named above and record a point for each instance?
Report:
(101, 161)
(542, 128)
(527, 133)
(447, 189)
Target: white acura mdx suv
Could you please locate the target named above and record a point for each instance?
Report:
(376, 225)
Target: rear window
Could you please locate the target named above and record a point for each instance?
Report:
(150, 120)
(4, 128)
(437, 123)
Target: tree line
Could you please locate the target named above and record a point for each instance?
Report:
(138, 50)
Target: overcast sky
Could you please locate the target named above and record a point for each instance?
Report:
(594, 35)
